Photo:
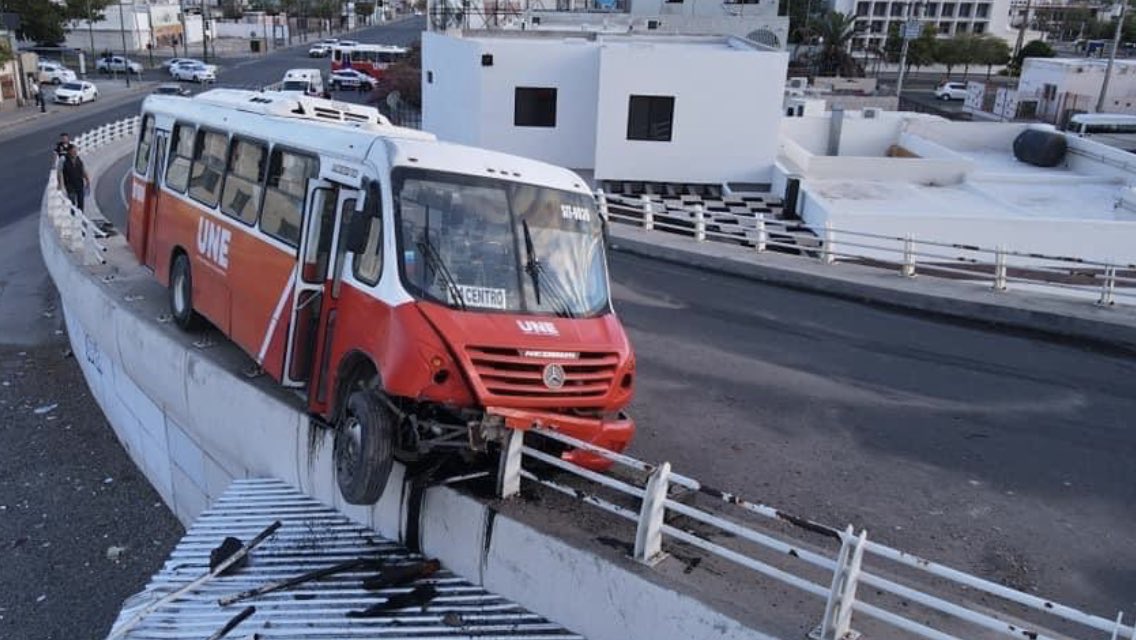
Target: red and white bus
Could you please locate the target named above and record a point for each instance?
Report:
(425, 296)
(371, 59)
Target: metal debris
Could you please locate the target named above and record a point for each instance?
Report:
(232, 624)
(420, 597)
(401, 575)
(47, 408)
(358, 563)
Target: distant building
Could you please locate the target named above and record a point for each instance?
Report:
(875, 18)
(141, 23)
(1060, 20)
(1062, 87)
(755, 20)
(626, 107)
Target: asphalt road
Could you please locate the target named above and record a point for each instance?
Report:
(1001, 454)
(80, 528)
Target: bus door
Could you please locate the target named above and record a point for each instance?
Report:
(159, 164)
(317, 280)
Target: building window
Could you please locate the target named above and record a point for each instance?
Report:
(964, 9)
(862, 8)
(650, 118)
(982, 11)
(948, 9)
(944, 28)
(534, 107)
(877, 26)
(145, 143)
(980, 27)
(961, 27)
(898, 9)
(880, 9)
(931, 10)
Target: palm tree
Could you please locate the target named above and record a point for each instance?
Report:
(835, 31)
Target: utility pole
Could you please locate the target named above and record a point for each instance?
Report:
(205, 30)
(910, 32)
(91, 30)
(184, 31)
(1022, 32)
(122, 29)
(1112, 55)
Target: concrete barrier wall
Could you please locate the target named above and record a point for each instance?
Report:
(192, 425)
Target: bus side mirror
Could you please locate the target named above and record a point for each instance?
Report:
(357, 231)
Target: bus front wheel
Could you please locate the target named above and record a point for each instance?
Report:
(181, 294)
(364, 438)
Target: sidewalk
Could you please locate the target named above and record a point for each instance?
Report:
(111, 91)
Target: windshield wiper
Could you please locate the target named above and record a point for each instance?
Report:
(427, 248)
(535, 269)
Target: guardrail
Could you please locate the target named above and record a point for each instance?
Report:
(657, 499)
(1105, 284)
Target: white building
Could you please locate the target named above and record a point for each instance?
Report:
(957, 183)
(756, 20)
(686, 109)
(158, 25)
(874, 18)
(1062, 87)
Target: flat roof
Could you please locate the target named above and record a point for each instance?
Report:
(633, 38)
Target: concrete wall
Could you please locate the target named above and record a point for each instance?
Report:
(192, 424)
(451, 88)
(740, 146)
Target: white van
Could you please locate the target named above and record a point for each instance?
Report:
(303, 81)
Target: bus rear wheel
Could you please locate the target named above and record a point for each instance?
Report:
(181, 294)
(364, 444)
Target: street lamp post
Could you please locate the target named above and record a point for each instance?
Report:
(1112, 55)
(91, 30)
(122, 29)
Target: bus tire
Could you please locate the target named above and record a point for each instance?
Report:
(181, 294)
(364, 444)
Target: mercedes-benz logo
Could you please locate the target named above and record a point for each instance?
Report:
(554, 376)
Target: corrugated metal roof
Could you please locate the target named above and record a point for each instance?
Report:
(312, 537)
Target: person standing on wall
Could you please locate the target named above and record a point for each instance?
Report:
(73, 177)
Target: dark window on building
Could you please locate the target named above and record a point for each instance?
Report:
(931, 10)
(980, 27)
(964, 10)
(650, 118)
(982, 11)
(534, 107)
(880, 9)
(862, 8)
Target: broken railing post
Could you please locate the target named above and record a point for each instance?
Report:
(649, 532)
(509, 465)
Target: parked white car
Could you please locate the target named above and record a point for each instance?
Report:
(319, 50)
(951, 91)
(196, 71)
(118, 64)
(174, 62)
(171, 89)
(54, 73)
(76, 93)
(351, 79)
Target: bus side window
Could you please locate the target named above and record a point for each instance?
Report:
(368, 265)
(145, 144)
(288, 175)
(181, 152)
(208, 167)
(240, 197)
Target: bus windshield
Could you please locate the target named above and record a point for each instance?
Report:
(487, 244)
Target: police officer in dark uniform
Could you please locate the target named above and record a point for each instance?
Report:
(61, 146)
(73, 177)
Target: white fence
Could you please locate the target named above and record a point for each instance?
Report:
(1004, 269)
(847, 565)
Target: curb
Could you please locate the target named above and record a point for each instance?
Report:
(1049, 315)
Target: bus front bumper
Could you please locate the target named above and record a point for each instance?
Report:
(610, 433)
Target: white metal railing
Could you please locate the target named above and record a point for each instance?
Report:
(79, 233)
(847, 565)
(1104, 283)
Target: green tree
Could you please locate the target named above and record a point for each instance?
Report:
(949, 53)
(835, 30)
(365, 9)
(40, 21)
(802, 14)
(921, 51)
(1032, 49)
(991, 51)
(5, 51)
(232, 9)
(893, 44)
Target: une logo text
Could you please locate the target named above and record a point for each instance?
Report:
(538, 327)
(213, 242)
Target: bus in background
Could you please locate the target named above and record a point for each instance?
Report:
(371, 59)
(424, 297)
(1114, 129)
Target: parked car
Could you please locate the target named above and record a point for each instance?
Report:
(351, 79)
(197, 72)
(348, 43)
(173, 62)
(118, 64)
(171, 89)
(76, 93)
(54, 73)
(951, 91)
(319, 50)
